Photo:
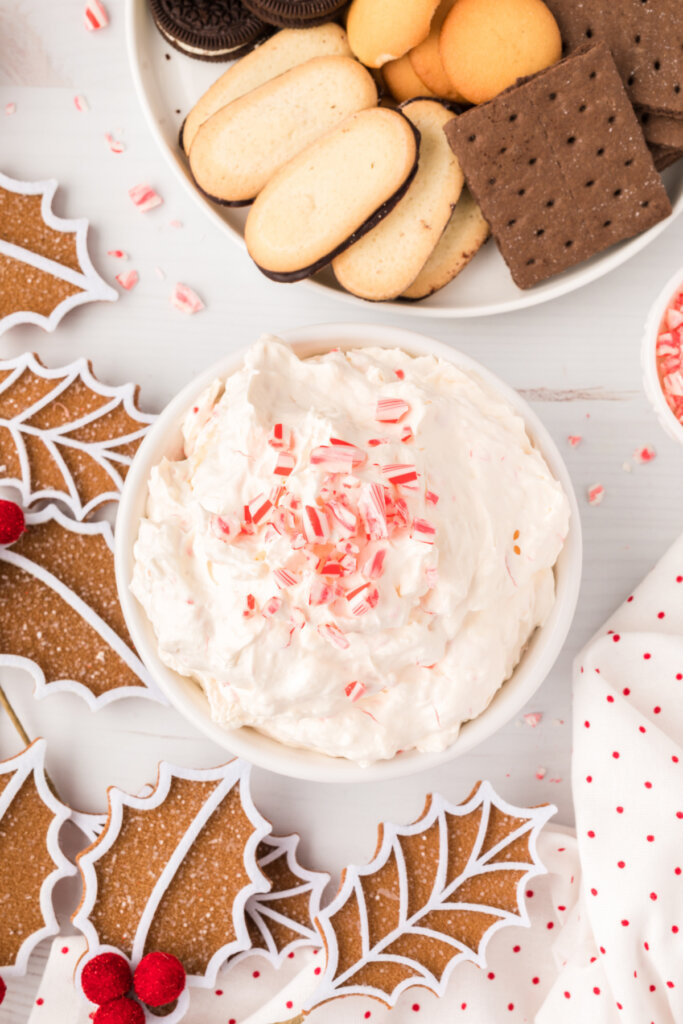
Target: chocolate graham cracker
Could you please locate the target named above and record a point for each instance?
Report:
(661, 129)
(645, 38)
(559, 166)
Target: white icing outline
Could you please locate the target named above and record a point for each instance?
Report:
(484, 797)
(101, 452)
(31, 761)
(94, 287)
(149, 691)
(260, 911)
(233, 773)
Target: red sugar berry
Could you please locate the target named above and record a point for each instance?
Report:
(106, 977)
(3, 989)
(120, 1011)
(159, 979)
(12, 522)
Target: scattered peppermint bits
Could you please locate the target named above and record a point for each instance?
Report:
(128, 280)
(574, 440)
(595, 494)
(10, 108)
(644, 455)
(391, 410)
(533, 718)
(95, 15)
(186, 300)
(81, 104)
(144, 197)
(117, 254)
(115, 145)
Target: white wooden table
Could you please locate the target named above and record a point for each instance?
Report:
(576, 360)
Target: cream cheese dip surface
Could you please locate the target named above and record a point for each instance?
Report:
(354, 550)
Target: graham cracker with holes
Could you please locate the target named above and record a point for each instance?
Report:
(559, 166)
(661, 129)
(645, 38)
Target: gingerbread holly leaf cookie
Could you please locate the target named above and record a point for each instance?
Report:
(172, 873)
(64, 435)
(60, 617)
(31, 861)
(282, 919)
(45, 269)
(433, 895)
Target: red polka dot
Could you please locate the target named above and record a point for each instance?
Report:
(646, 946)
(232, 1021)
(567, 995)
(621, 864)
(657, 710)
(550, 925)
(289, 1004)
(647, 657)
(629, 599)
(619, 1006)
(660, 615)
(596, 990)
(587, 724)
(615, 754)
(367, 1014)
(674, 758)
(626, 691)
(256, 974)
(39, 1001)
(610, 698)
(648, 785)
(677, 871)
(589, 778)
(490, 975)
(670, 984)
(594, 892)
(679, 579)
(415, 1007)
(535, 981)
(516, 949)
(620, 810)
(624, 923)
(674, 929)
(317, 970)
(65, 949)
(650, 839)
(679, 676)
(616, 638)
(641, 728)
(653, 988)
(219, 991)
(463, 1006)
(590, 833)
(653, 895)
(290, 956)
(602, 950)
(529, 893)
(511, 1006)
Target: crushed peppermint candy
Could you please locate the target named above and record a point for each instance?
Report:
(391, 410)
(128, 280)
(114, 144)
(10, 108)
(95, 15)
(423, 530)
(117, 254)
(574, 440)
(644, 455)
(595, 494)
(144, 197)
(284, 464)
(669, 354)
(328, 631)
(541, 773)
(185, 299)
(354, 691)
(533, 718)
(81, 104)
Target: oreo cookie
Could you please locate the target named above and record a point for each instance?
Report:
(294, 13)
(212, 30)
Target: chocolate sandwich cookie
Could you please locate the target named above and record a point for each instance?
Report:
(294, 13)
(208, 29)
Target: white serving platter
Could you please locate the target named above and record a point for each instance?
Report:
(168, 84)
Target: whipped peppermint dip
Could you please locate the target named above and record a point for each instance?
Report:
(354, 550)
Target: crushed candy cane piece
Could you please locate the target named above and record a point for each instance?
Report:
(645, 454)
(400, 474)
(81, 104)
(333, 634)
(117, 254)
(284, 464)
(271, 607)
(285, 578)
(574, 440)
(541, 773)
(114, 145)
(343, 518)
(128, 280)
(10, 108)
(354, 691)
(595, 494)
(144, 197)
(431, 498)
(226, 527)
(358, 456)
(533, 718)
(185, 299)
(391, 410)
(407, 435)
(95, 15)
(400, 374)
(423, 530)
(316, 525)
(175, 223)
(321, 592)
(335, 458)
(259, 507)
(374, 566)
(372, 508)
(374, 442)
(280, 437)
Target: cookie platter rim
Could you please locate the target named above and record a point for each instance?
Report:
(144, 43)
(164, 438)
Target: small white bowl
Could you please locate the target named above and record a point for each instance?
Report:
(187, 696)
(648, 355)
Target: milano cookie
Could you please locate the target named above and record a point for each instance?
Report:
(332, 194)
(387, 259)
(45, 269)
(278, 54)
(433, 895)
(486, 45)
(462, 239)
(383, 30)
(237, 150)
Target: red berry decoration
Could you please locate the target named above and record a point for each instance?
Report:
(3, 989)
(119, 1011)
(159, 979)
(12, 522)
(107, 976)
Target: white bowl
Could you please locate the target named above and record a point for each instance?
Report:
(648, 353)
(168, 88)
(165, 439)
